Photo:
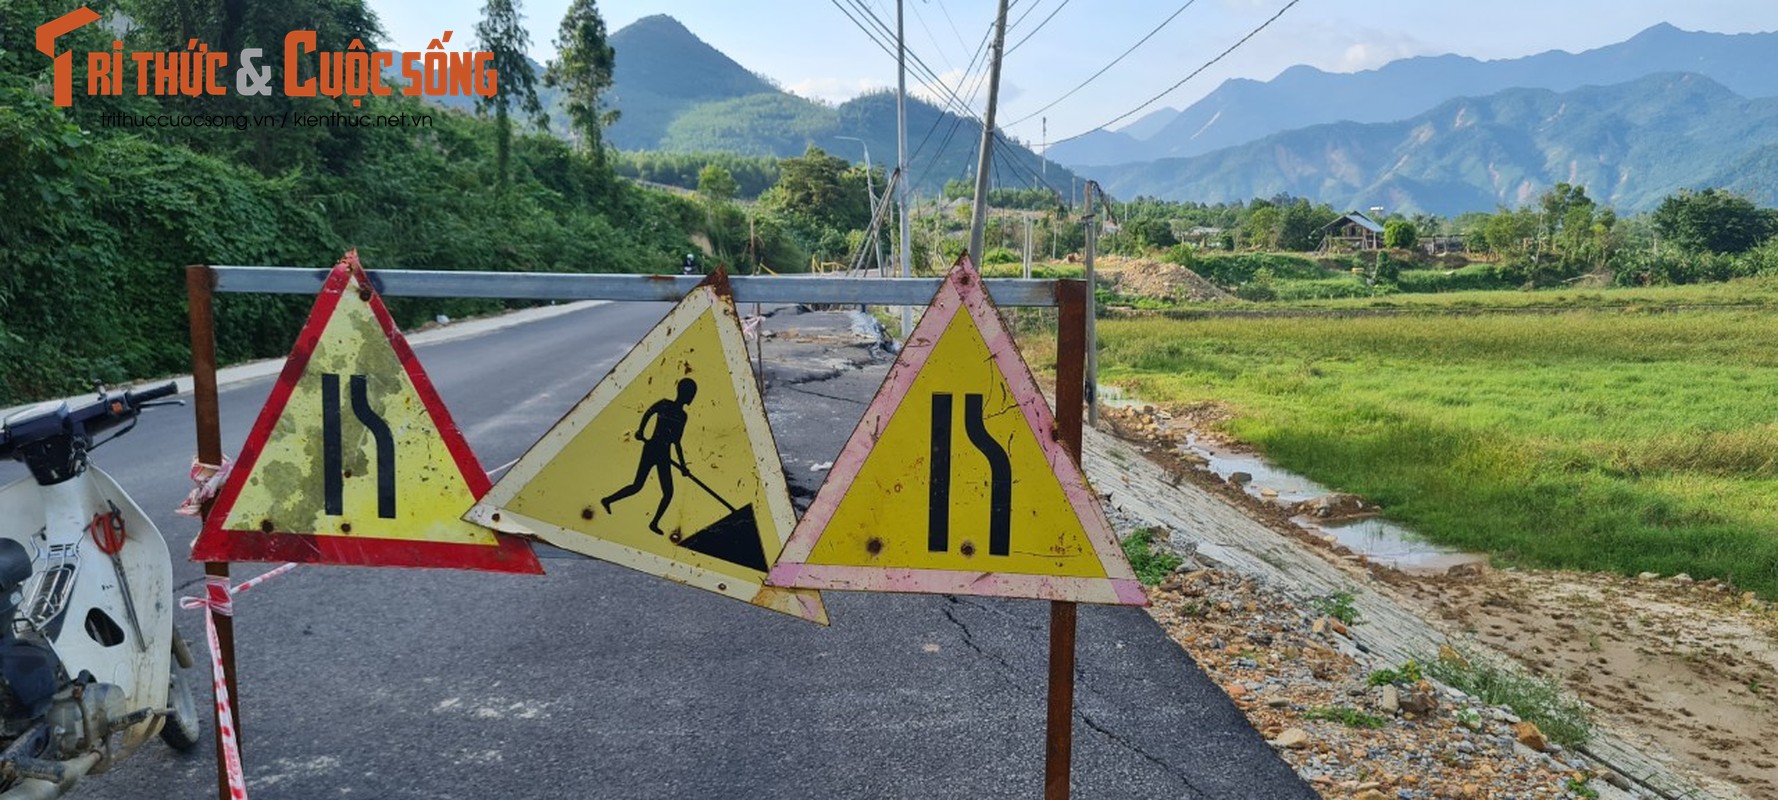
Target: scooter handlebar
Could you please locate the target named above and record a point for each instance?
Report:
(152, 393)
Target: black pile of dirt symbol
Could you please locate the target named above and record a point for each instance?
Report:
(735, 537)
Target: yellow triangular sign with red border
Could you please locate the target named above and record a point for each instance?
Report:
(956, 482)
(667, 466)
(354, 459)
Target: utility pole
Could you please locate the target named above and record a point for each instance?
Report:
(983, 164)
(1027, 247)
(870, 191)
(1045, 163)
(901, 161)
(1092, 244)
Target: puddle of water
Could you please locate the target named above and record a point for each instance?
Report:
(1379, 540)
(1393, 545)
(1288, 487)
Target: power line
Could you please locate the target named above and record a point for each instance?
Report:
(954, 31)
(1046, 21)
(1021, 20)
(949, 99)
(1114, 62)
(930, 76)
(980, 50)
(1194, 73)
(930, 37)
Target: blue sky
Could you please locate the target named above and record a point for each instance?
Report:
(811, 48)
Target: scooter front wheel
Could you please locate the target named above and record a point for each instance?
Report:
(183, 729)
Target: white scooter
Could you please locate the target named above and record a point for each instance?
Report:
(86, 606)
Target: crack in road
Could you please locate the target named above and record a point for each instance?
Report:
(1171, 771)
(950, 609)
(813, 393)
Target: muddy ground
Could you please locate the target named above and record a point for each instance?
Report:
(1688, 667)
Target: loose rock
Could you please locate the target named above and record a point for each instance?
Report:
(1526, 732)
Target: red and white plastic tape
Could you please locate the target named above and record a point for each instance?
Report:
(219, 599)
(209, 479)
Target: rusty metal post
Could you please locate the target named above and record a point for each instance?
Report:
(200, 284)
(1071, 347)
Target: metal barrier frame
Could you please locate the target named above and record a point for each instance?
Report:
(1069, 297)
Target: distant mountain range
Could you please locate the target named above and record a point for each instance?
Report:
(1241, 111)
(676, 93)
(1630, 144)
(1665, 110)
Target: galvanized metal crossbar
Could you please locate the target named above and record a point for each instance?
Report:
(657, 288)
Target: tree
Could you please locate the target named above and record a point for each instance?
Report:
(502, 33)
(1401, 234)
(1713, 221)
(821, 188)
(1568, 223)
(582, 67)
(1300, 224)
(1261, 227)
(1151, 233)
(1510, 232)
(716, 184)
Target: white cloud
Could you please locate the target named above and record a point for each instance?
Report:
(1381, 49)
(833, 90)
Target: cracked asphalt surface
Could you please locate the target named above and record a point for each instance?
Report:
(596, 681)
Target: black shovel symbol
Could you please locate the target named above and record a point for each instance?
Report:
(734, 538)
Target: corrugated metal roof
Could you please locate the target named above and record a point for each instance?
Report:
(1358, 219)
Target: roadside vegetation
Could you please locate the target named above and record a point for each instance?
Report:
(1150, 563)
(1560, 716)
(104, 217)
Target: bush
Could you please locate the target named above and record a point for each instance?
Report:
(1328, 289)
(1259, 288)
(93, 285)
(1338, 605)
(1475, 277)
(1388, 269)
(1150, 565)
(1002, 255)
(1400, 234)
(1234, 270)
(1561, 717)
(1184, 255)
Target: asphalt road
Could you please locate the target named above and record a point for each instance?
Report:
(598, 682)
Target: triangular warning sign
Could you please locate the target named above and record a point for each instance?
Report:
(668, 466)
(354, 459)
(955, 481)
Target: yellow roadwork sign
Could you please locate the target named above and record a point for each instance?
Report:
(354, 459)
(668, 466)
(954, 481)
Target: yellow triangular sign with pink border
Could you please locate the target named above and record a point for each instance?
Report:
(956, 482)
(667, 466)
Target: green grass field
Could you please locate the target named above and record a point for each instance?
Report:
(1598, 439)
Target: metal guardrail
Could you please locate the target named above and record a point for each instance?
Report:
(658, 288)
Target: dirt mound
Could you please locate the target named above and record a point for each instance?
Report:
(1162, 281)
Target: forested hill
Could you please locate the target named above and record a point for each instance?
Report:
(676, 93)
(662, 71)
(1631, 144)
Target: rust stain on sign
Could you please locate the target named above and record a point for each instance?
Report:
(954, 481)
(354, 459)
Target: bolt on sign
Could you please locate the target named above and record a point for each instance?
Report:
(354, 459)
(955, 481)
(668, 466)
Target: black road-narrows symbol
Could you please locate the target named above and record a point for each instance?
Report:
(332, 453)
(999, 475)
